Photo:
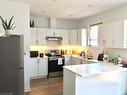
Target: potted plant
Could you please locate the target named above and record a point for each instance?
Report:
(32, 23)
(8, 25)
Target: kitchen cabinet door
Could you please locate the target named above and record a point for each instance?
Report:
(105, 36)
(73, 37)
(79, 37)
(33, 67)
(43, 67)
(33, 36)
(50, 32)
(65, 36)
(58, 33)
(108, 38)
(101, 36)
(42, 37)
(111, 34)
(118, 34)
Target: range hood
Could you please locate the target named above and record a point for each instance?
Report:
(54, 38)
(53, 26)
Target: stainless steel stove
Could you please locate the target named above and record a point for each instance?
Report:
(55, 63)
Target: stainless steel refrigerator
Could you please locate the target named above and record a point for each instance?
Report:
(11, 65)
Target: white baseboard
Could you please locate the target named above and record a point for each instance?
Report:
(27, 90)
(44, 76)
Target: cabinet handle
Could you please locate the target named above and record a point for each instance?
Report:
(38, 61)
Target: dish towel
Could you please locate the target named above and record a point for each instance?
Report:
(60, 62)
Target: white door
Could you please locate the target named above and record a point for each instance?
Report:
(65, 36)
(33, 36)
(33, 67)
(42, 37)
(43, 66)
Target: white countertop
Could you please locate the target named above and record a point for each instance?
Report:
(96, 68)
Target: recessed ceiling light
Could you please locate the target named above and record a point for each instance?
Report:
(90, 6)
(43, 12)
(71, 15)
(55, 0)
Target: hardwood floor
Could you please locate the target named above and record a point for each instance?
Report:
(47, 86)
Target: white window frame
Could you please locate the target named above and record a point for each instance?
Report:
(89, 36)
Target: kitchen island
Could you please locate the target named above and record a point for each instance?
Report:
(95, 79)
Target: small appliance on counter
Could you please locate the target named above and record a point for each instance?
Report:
(41, 55)
(106, 58)
(34, 54)
(100, 57)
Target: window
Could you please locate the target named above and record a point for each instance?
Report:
(93, 36)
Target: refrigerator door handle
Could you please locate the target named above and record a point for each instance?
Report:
(21, 68)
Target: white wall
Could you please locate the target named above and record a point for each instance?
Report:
(21, 19)
(41, 22)
(66, 24)
(44, 22)
(111, 15)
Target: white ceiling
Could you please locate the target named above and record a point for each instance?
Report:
(72, 9)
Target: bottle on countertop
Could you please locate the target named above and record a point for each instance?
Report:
(89, 54)
(115, 60)
(119, 59)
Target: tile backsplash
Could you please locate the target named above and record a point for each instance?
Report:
(112, 52)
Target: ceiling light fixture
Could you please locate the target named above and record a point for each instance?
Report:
(43, 12)
(55, 0)
(71, 15)
(90, 6)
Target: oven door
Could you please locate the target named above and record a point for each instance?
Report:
(53, 65)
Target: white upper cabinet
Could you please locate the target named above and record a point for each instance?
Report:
(58, 33)
(53, 32)
(42, 37)
(65, 36)
(33, 36)
(111, 34)
(73, 37)
(82, 37)
(50, 32)
(70, 37)
(118, 34)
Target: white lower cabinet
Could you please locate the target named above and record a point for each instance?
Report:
(38, 68)
(70, 60)
(33, 67)
(43, 67)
